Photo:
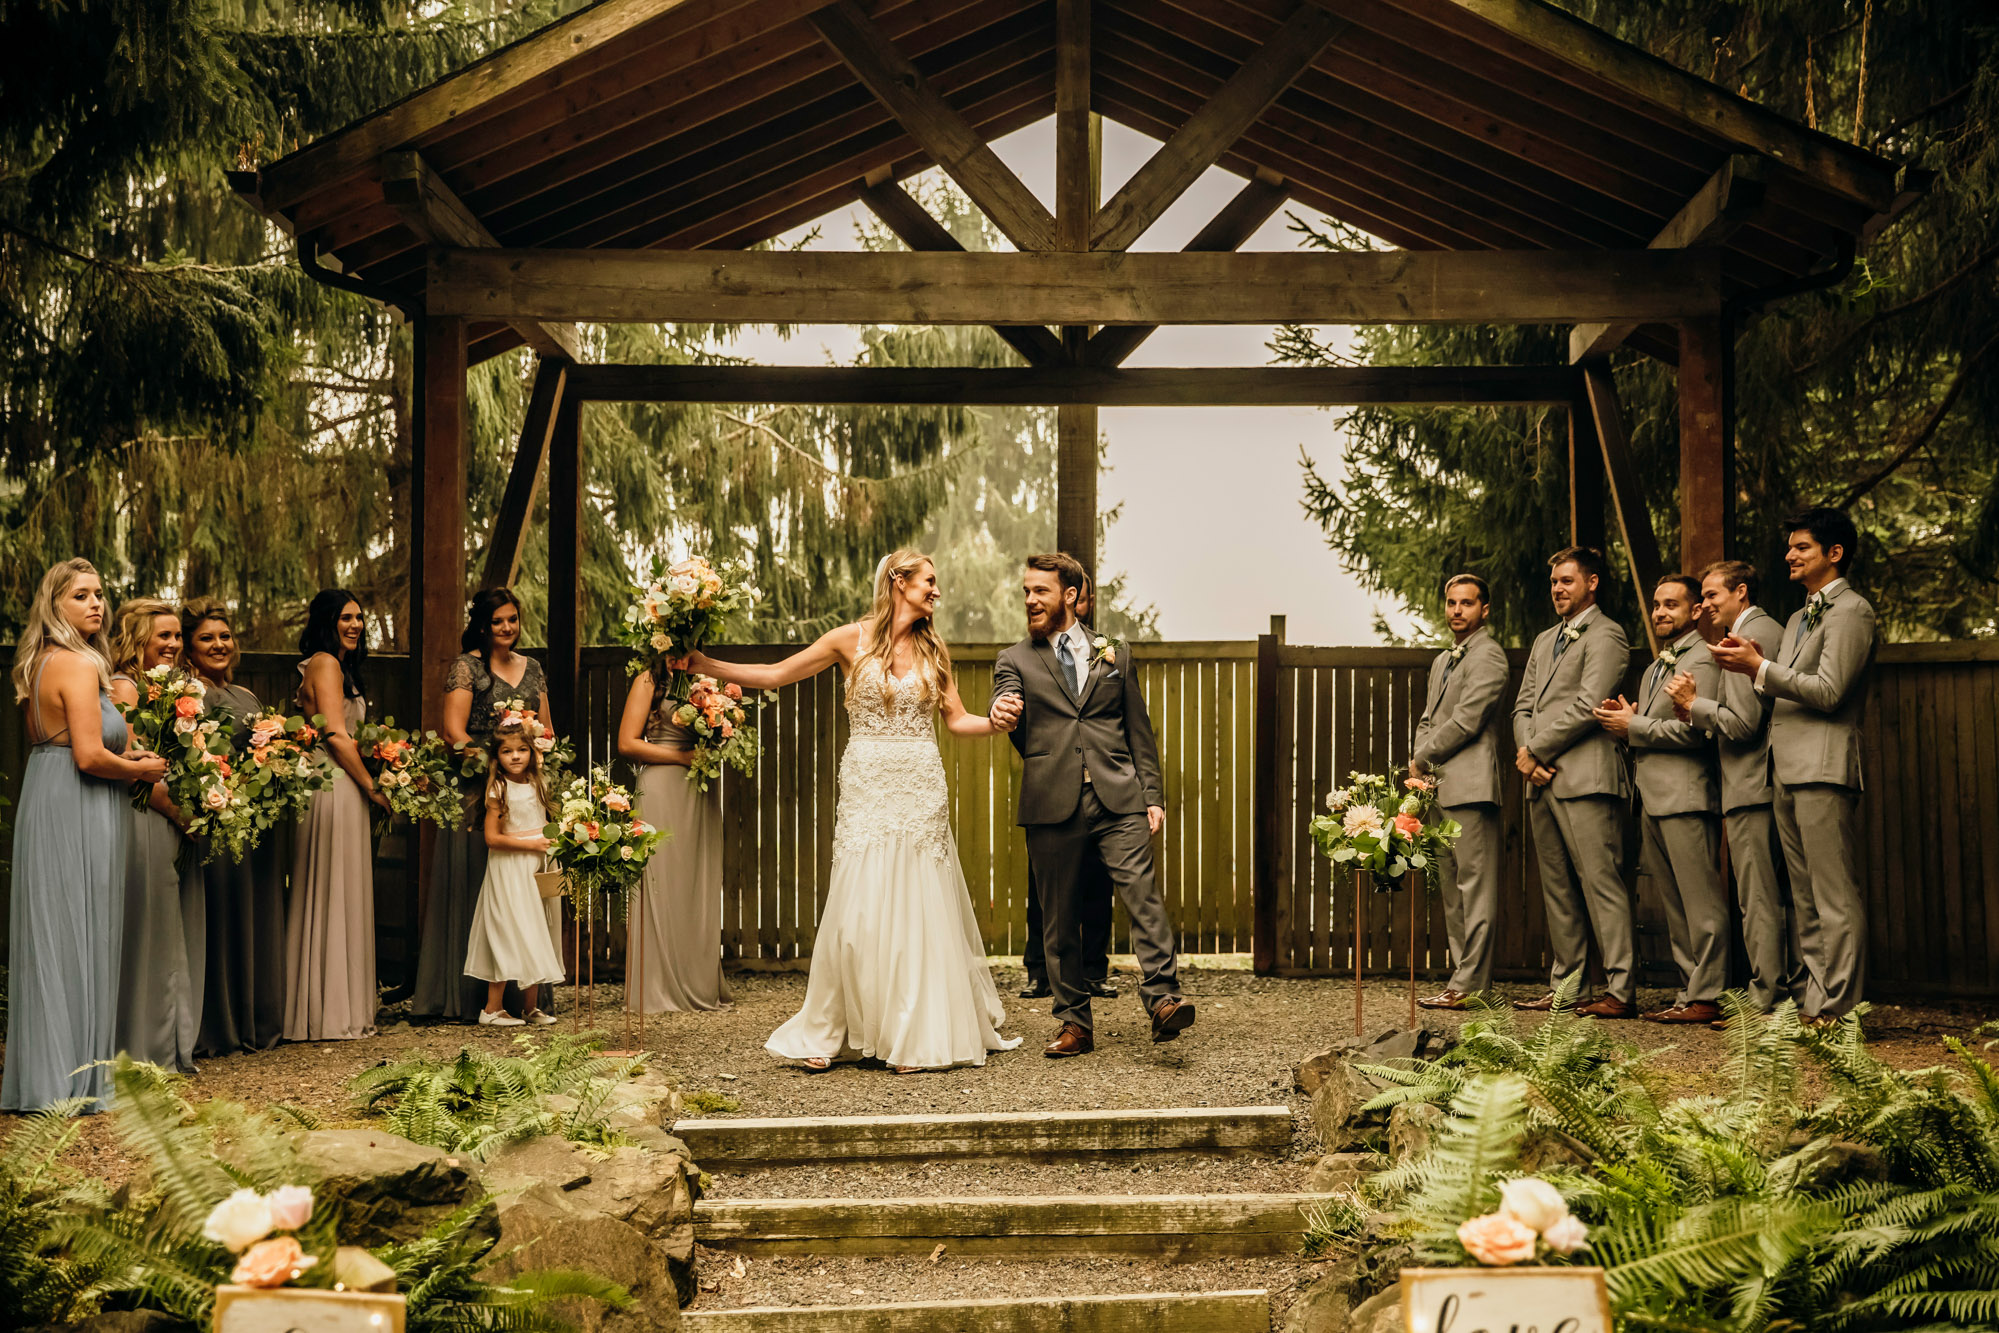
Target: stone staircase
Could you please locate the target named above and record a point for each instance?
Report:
(1166, 1228)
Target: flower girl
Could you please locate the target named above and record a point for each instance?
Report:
(510, 939)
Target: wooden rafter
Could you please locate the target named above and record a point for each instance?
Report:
(917, 229)
(1210, 131)
(437, 216)
(1078, 191)
(942, 132)
(1084, 386)
(1251, 207)
(1717, 211)
(1627, 492)
(835, 287)
(510, 525)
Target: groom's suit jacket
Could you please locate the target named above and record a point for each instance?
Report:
(1105, 729)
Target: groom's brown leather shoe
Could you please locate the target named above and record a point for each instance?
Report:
(1073, 1039)
(1170, 1017)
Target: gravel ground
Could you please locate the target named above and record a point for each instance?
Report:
(1140, 1173)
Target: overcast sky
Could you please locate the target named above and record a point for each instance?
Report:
(1212, 533)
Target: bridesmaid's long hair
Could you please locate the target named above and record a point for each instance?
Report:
(47, 628)
(135, 628)
(478, 635)
(933, 660)
(322, 635)
(193, 616)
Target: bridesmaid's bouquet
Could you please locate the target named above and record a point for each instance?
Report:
(1376, 825)
(167, 720)
(417, 774)
(718, 715)
(271, 776)
(596, 840)
(680, 608)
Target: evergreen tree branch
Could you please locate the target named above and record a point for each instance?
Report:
(1922, 435)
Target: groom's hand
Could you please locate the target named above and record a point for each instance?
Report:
(1005, 712)
(1155, 818)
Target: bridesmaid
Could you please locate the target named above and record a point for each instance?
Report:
(66, 920)
(682, 926)
(487, 673)
(330, 930)
(243, 1003)
(159, 979)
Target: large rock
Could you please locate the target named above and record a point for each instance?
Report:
(1323, 1307)
(1379, 1313)
(1340, 1171)
(389, 1188)
(1543, 1148)
(1412, 1128)
(546, 1227)
(1338, 1089)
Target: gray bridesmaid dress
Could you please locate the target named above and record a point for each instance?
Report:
(66, 922)
(160, 971)
(458, 860)
(243, 1000)
(330, 992)
(680, 922)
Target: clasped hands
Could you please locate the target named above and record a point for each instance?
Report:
(1005, 712)
(1742, 656)
(1533, 769)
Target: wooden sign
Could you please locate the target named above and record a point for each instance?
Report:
(1505, 1300)
(305, 1310)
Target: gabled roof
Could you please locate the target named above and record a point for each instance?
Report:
(1434, 124)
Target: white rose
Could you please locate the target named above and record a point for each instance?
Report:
(1100, 643)
(625, 852)
(544, 743)
(660, 643)
(239, 1221)
(684, 585)
(1567, 1236)
(1531, 1202)
(185, 725)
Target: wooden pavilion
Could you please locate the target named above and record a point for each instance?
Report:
(620, 165)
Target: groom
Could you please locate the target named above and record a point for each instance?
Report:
(1090, 793)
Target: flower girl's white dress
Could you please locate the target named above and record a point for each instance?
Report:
(510, 938)
(898, 965)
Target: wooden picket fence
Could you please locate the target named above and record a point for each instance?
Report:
(1252, 736)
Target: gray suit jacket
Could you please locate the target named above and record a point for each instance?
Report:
(1460, 731)
(1674, 768)
(1819, 684)
(1739, 720)
(1107, 728)
(1554, 715)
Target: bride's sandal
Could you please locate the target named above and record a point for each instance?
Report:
(817, 1064)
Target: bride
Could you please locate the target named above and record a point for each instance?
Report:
(898, 968)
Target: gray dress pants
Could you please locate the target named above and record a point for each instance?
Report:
(1769, 925)
(1468, 883)
(1579, 842)
(1679, 857)
(1816, 822)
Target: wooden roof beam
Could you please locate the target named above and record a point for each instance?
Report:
(439, 217)
(1717, 211)
(1226, 231)
(1213, 129)
(846, 287)
(936, 126)
(510, 525)
(917, 229)
(1627, 492)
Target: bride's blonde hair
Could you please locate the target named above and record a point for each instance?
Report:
(933, 660)
(46, 629)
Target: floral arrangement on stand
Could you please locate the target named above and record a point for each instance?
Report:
(247, 1224)
(596, 840)
(1385, 824)
(718, 717)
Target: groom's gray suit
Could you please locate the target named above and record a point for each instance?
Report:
(1091, 769)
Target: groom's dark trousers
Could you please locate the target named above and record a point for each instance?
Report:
(1095, 914)
(1090, 769)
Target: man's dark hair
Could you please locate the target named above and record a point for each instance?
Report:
(1586, 558)
(1736, 573)
(1688, 582)
(1829, 528)
(1484, 593)
(1063, 566)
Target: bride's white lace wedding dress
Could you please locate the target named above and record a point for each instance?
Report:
(898, 966)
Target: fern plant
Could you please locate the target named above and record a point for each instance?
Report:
(42, 1279)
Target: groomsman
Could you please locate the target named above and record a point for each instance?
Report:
(1817, 684)
(1738, 718)
(1458, 738)
(1577, 786)
(1677, 792)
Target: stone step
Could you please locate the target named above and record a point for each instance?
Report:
(721, 1144)
(1170, 1227)
(1199, 1312)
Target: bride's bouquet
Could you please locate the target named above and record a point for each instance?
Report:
(718, 716)
(680, 608)
(1375, 825)
(596, 840)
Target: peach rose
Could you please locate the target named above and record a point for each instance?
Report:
(1408, 825)
(733, 690)
(617, 801)
(728, 730)
(272, 1263)
(187, 706)
(1496, 1240)
(262, 754)
(215, 798)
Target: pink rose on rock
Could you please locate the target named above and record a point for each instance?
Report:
(272, 1263)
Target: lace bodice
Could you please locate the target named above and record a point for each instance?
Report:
(891, 777)
(469, 672)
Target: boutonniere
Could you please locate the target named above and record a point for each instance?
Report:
(1570, 633)
(1815, 606)
(1457, 653)
(1105, 649)
(1669, 658)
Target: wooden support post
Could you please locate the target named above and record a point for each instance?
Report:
(1270, 825)
(1077, 181)
(437, 554)
(1627, 494)
(1076, 485)
(1586, 527)
(565, 565)
(1707, 442)
(510, 525)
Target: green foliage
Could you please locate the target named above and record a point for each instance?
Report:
(438, 1274)
(1334, 1226)
(42, 1280)
(475, 1103)
(709, 1102)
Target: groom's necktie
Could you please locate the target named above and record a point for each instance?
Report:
(1068, 661)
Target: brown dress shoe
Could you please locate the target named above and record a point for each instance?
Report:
(1539, 1005)
(1445, 999)
(1699, 1011)
(1170, 1017)
(1073, 1039)
(1609, 1007)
